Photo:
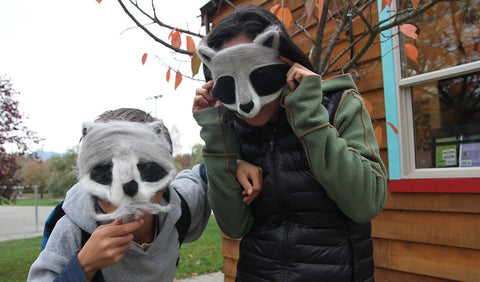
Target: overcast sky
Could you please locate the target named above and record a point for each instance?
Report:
(72, 60)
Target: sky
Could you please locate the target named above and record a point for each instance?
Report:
(72, 60)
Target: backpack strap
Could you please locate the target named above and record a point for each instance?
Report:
(51, 221)
(183, 223)
(85, 237)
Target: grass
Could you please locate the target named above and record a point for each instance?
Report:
(200, 257)
(41, 202)
(16, 256)
(28, 199)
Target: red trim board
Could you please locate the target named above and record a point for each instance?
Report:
(436, 185)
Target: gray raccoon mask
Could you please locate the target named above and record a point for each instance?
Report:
(125, 163)
(247, 76)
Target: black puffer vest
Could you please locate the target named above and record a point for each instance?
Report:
(299, 234)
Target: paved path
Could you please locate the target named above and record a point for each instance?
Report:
(212, 277)
(21, 222)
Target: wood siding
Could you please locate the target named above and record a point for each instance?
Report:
(418, 236)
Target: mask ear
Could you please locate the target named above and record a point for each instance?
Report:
(269, 38)
(159, 128)
(205, 53)
(86, 126)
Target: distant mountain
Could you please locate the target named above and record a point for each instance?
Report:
(46, 155)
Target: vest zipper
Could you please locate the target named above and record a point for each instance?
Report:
(285, 243)
(280, 196)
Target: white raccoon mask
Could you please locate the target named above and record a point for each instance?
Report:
(125, 163)
(247, 76)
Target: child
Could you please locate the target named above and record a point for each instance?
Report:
(129, 198)
(323, 178)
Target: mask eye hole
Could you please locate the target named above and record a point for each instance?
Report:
(269, 79)
(224, 90)
(102, 174)
(151, 172)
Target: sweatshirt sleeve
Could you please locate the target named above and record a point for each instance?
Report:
(220, 154)
(58, 261)
(343, 157)
(192, 187)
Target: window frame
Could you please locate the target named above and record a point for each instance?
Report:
(403, 175)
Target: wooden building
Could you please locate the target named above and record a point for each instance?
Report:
(429, 229)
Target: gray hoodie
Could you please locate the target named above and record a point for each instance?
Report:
(157, 263)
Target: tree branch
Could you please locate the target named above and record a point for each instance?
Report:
(317, 46)
(155, 20)
(334, 39)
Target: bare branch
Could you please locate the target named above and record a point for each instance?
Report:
(334, 39)
(157, 21)
(317, 47)
(147, 31)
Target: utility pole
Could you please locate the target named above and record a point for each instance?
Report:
(155, 98)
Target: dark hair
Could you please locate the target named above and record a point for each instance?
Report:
(132, 115)
(126, 114)
(251, 21)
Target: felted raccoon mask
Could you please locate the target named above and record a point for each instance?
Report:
(247, 76)
(125, 163)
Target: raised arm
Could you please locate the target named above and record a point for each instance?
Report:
(343, 157)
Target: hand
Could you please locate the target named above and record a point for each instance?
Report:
(251, 178)
(296, 72)
(106, 246)
(203, 98)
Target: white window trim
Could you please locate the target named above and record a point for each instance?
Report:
(405, 119)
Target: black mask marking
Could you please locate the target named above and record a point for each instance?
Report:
(102, 174)
(151, 172)
(224, 89)
(269, 79)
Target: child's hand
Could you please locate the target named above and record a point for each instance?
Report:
(203, 98)
(107, 246)
(251, 178)
(296, 72)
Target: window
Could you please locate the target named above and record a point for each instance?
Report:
(438, 84)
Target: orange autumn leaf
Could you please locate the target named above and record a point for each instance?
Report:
(368, 105)
(171, 33)
(190, 44)
(285, 16)
(320, 8)
(415, 4)
(274, 9)
(393, 127)
(279, 14)
(195, 64)
(144, 58)
(411, 52)
(409, 30)
(288, 17)
(386, 3)
(175, 38)
(178, 79)
(168, 75)
(378, 134)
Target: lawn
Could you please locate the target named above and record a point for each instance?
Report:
(200, 257)
(28, 199)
